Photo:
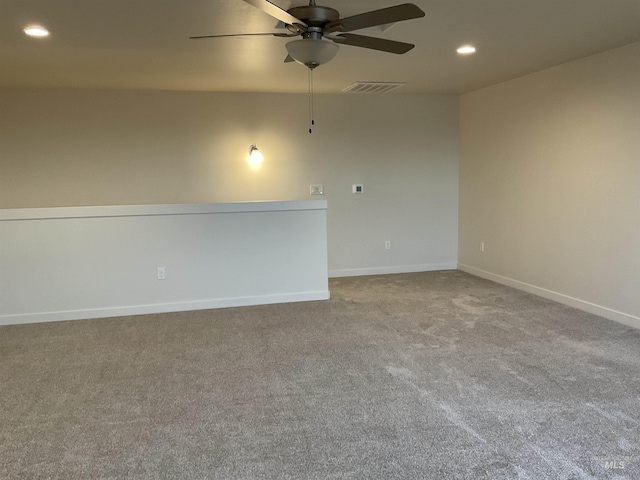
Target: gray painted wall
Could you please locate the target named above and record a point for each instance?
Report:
(101, 147)
(550, 182)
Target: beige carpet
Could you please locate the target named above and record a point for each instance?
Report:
(429, 376)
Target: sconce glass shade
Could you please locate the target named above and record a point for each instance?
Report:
(255, 156)
(312, 52)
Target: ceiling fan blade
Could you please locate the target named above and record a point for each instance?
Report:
(289, 59)
(246, 35)
(406, 11)
(373, 43)
(275, 11)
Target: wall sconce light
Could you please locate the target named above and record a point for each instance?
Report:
(255, 156)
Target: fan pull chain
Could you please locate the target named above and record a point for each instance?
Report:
(311, 120)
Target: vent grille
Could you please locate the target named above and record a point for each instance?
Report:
(373, 87)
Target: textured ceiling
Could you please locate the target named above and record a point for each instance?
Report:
(143, 44)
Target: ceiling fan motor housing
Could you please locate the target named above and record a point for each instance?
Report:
(314, 15)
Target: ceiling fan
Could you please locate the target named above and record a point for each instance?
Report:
(322, 29)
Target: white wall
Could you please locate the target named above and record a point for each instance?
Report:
(87, 147)
(90, 262)
(550, 181)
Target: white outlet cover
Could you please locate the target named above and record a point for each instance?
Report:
(357, 188)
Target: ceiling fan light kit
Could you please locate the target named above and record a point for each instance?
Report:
(312, 52)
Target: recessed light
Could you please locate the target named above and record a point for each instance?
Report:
(466, 50)
(36, 31)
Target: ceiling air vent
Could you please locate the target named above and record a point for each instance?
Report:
(373, 87)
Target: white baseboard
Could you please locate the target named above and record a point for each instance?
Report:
(605, 312)
(161, 308)
(359, 272)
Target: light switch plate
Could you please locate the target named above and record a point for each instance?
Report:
(316, 189)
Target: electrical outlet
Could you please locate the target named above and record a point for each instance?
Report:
(357, 188)
(316, 189)
(162, 273)
(387, 245)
